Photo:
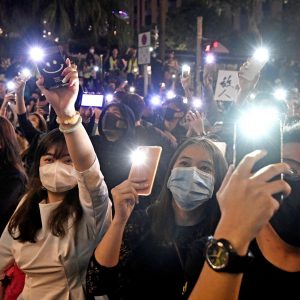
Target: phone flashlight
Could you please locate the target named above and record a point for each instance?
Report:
(25, 74)
(138, 157)
(261, 54)
(256, 122)
(10, 85)
(170, 95)
(280, 94)
(197, 103)
(109, 98)
(155, 100)
(36, 54)
(186, 69)
(96, 68)
(132, 89)
(210, 58)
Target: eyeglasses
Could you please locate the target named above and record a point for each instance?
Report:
(294, 175)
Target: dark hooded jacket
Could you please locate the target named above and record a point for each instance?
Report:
(114, 157)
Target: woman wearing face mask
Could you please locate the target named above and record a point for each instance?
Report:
(153, 254)
(115, 143)
(66, 209)
(173, 115)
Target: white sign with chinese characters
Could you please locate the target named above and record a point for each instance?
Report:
(227, 86)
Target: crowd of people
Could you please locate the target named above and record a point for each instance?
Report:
(73, 225)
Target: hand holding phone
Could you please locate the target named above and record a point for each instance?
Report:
(254, 65)
(50, 64)
(258, 130)
(144, 166)
(186, 70)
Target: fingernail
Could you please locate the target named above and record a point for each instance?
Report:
(64, 80)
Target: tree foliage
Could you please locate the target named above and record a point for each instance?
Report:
(65, 19)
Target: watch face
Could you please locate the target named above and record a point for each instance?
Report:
(216, 254)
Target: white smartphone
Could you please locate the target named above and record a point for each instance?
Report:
(185, 70)
(92, 100)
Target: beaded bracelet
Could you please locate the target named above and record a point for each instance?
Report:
(69, 121)
(72, 128)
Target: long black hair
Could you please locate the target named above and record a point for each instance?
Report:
(162, 211)
(26, 221)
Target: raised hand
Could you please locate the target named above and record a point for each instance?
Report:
(125, 198)
(195, 123)
(246, 200)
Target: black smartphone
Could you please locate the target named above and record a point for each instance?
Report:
(268, 137)
(51, 67)
(92, 100)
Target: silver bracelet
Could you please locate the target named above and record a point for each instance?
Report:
(72, 128)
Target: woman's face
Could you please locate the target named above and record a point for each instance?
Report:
(195, 156)
(34, 121)
(51, 156)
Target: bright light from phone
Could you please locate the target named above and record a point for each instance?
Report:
(151, 49)
(252, 96)
(185, 100)
(132, 89)
(256, 122)
(261, 54)
(163, 85)
(186, 68)
(173, 76)
(280, 94)
(210, 58)
(170, 95)
(138, 157)
(96, 68)
(26, 73)
(197, 103)
(155, 100)
(109, 98)
(37, 54)
(10, 85)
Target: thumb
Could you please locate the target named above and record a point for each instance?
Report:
(40, 85)
(227, 177)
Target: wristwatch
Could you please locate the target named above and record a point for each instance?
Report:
(221, 257)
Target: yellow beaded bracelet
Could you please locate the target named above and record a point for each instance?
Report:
(69, 121)
(71, 128)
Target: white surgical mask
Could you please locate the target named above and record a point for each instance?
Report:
(58, 177)
(190, 187)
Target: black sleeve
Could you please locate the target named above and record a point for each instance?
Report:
(90, 125)
(28, 130)
(11, 190)
(100, 280)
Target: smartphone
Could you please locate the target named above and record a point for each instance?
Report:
(92, 100)
(254, 67)
(271, 142)
(144, 165)
(51, 67)
(185, 70)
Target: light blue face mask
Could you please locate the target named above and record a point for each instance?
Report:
(190, 187)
